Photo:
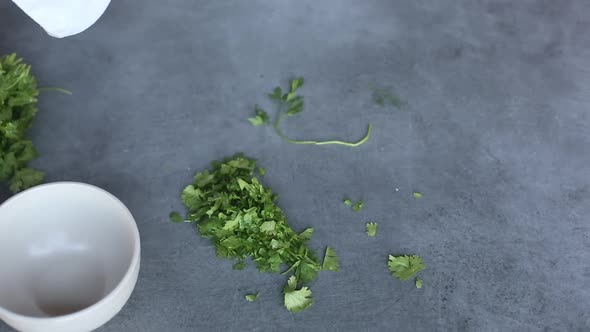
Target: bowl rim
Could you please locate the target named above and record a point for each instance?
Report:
(129, 274)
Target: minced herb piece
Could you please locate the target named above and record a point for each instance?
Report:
(252, 297)
(176, 217)
(371, 228)
(404, 267)
(417, 195)
(358, 206)
(230, 206)
(418, 283)
(331, 261)
(347, 202)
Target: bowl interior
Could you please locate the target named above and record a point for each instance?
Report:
(63, 247)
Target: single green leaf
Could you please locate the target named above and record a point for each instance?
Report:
(296, 300)
(296, 83)
(371, 228)
(175, 217)
(252, 297)
(260, 117)
(331, 261)
(404, 267)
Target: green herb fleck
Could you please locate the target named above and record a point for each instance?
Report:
(383, 97)
(418, 283)
(417, 195)
(371, 228)
(252, 297)
(240, 265)
(331, 262)
(175, 217)
(296, 300)
(358, 206)
(404, 267)
(347, 202)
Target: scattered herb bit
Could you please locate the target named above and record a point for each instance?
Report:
(296, 300)
(371, 228)
(347, 202)
(240, 265)
(383, 96)
(260, 117)
(252, 297)
(175, 217)
(417, 195)
(358, 206)
(404, 267)
(418, 283)
(331, 261)
(231, 207)
(261, 171)
(291, 104)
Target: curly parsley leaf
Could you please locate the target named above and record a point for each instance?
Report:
(331, 262)
(404, 267)
(296, 300)
(371, 228)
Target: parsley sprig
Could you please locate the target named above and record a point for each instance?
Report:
(290, 103)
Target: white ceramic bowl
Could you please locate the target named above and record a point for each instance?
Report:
(69, 258)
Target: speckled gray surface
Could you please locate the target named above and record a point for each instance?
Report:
(496, 134)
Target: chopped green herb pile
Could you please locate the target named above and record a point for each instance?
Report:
(296, 300)
(252, 297)
(418, 283)
(231, 207)
(290, 104)
(371, 228)
(18, 106)
(382, 97)
(331, 261)
(404, 267)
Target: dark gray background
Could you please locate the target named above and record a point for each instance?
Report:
(495, 133)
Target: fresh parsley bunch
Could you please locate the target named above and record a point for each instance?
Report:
(18, 106)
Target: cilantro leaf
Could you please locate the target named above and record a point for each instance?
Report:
(404, 267)
(371, 228)
(252, 297)
(296, 300)
(331, 262)
(418, 283)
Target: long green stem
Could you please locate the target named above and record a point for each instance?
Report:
(337, 142)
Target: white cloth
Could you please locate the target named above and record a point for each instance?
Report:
(62, 18)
